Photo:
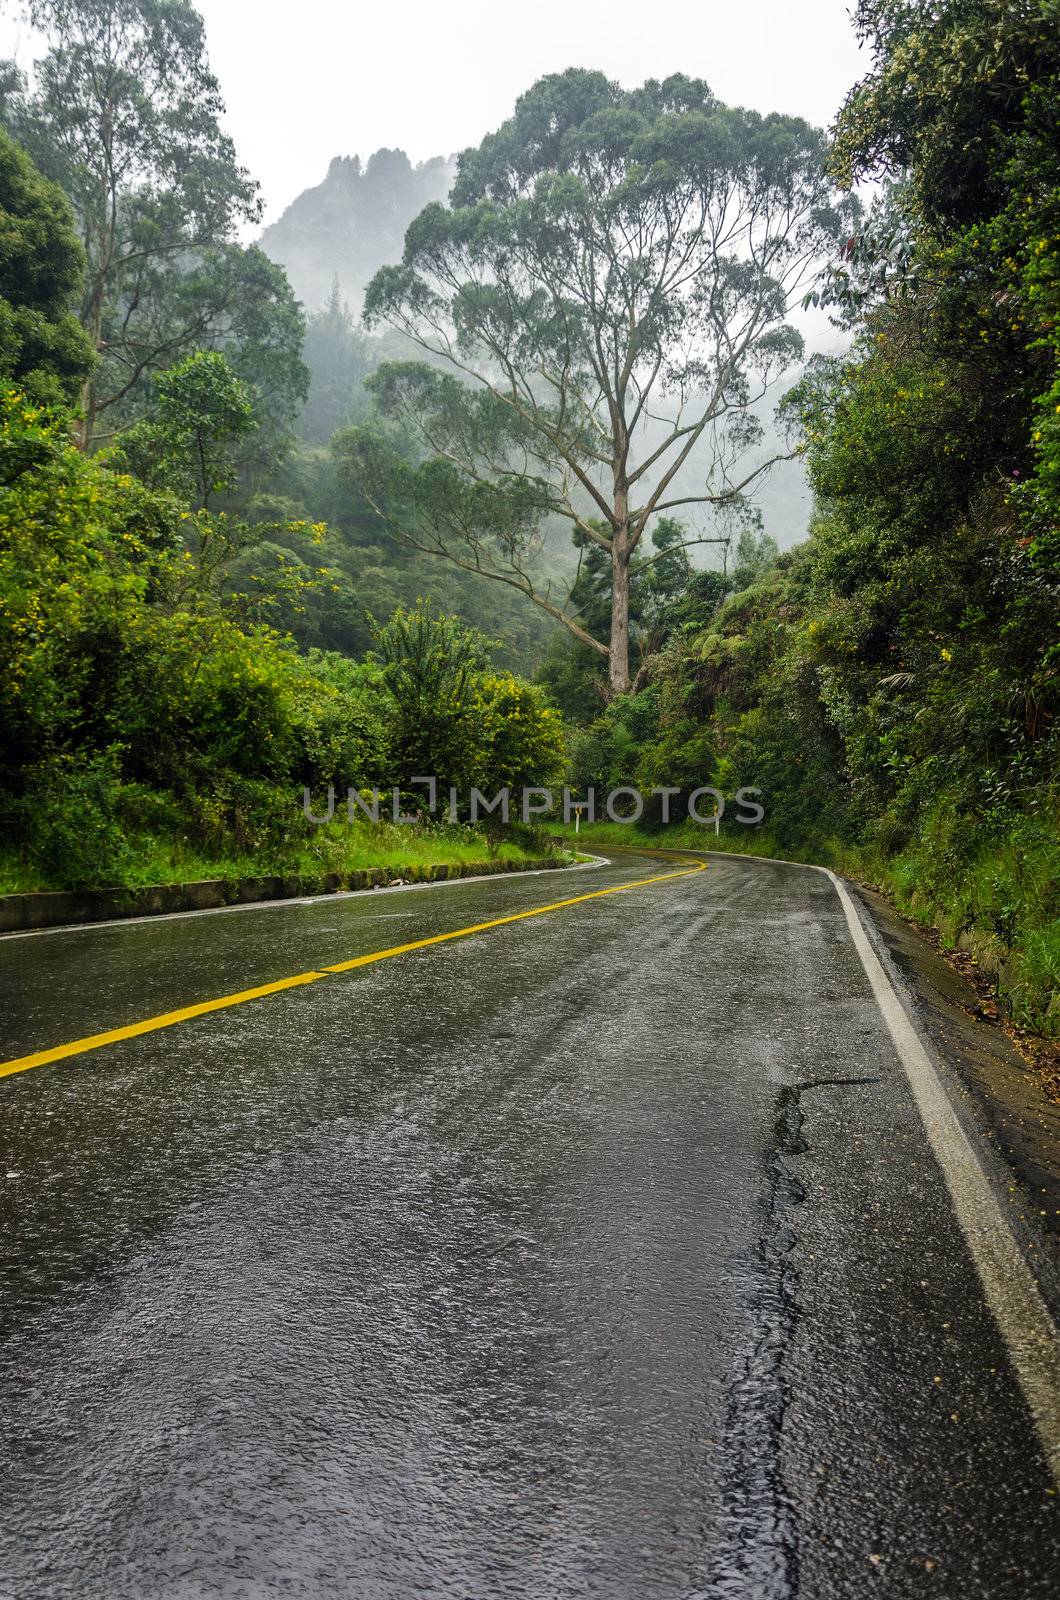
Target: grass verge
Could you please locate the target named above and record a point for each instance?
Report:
(339, 847)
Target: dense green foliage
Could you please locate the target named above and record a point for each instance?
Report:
(124, 114)
(42, 346)
(171, 608)
(137, 699)
(456, 720)
(892, 686)
(201, 413)
(129, 694)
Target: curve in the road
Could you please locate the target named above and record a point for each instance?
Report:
(168, 1019)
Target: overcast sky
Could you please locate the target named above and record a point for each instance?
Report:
(310, 80)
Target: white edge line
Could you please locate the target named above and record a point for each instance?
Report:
(1012, 1294)
(1011, 1291)
(107, 923)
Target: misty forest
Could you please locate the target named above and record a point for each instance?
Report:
(514, 467)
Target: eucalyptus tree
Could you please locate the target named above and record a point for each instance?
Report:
(124, 113)
(599, 310)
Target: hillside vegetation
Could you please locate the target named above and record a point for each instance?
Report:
(891, 685)
(177, 629)
(244, 554)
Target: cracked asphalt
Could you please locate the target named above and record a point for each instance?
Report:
(599, 1254)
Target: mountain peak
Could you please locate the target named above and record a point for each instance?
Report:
(353, 222)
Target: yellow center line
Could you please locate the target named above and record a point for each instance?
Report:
(95, 1041)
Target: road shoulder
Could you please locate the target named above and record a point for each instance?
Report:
(995, 1093)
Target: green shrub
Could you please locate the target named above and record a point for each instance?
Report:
(69, 820)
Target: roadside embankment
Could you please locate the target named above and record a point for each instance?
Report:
(60, 907)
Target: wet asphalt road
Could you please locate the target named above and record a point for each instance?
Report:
(552, 1262)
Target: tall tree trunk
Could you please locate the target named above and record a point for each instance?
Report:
(99, 249)
(92, 322)
(86, 426)
(618, 657)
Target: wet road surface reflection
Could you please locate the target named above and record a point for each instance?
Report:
(468, 1274)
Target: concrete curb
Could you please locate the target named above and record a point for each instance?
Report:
(65, 907)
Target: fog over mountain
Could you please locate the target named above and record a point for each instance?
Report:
(353, 223)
